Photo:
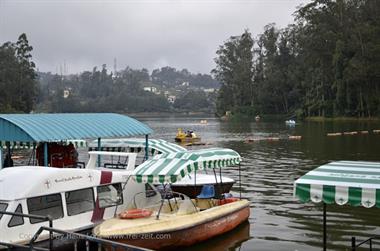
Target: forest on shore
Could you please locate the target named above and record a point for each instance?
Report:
(324, 64)
(99, 90)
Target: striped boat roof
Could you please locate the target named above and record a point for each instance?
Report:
(352, 182)
(172, 167)
(157, 145)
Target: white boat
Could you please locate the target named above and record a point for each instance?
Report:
(187, 185)
(76, 199)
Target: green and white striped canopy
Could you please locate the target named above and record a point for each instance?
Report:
(172, 167)
(136, 145)
(343, 182)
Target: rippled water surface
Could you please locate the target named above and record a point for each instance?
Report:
(278, 221)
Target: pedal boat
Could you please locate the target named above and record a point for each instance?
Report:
(188, 137)
(188, 185)
(174, 229)
(177, 220)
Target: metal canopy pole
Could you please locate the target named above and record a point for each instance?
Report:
(324, 228)
(1, 157)
(46, 161)
(240, 180)
(195, 183)
(34, 155)
(8, 144)
(221, 181)
(99, 149)
(146, 146)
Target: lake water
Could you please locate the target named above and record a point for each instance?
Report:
(278, 221)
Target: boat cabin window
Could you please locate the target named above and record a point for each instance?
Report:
(45, 205)
(3, 207)
(110, 195)
(16, 220)
(79, 201)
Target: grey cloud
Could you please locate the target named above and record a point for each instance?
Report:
(150, 34)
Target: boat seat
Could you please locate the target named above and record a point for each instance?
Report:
(208, 192)
(187, 207)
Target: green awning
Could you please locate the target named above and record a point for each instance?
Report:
(342, 182)
(172, 167)
(136, 145)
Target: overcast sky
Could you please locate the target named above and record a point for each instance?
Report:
(140, 33)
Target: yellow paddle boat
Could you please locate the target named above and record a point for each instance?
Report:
(186, 137)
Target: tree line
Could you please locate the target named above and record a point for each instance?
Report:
(23, 89)
(102, 91)
(324, 64)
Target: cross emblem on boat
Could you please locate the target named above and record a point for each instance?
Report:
(90, 176)
(368, 203)
(47, 183)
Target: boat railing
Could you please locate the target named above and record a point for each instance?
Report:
(355, 245)
(76, 237)
(117, 165)
(33, 216)
(80, 164)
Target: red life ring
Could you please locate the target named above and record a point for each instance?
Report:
(227, 200)
(135, 214)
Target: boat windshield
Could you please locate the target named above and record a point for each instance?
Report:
(3, 207)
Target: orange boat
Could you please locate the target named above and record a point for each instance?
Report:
(176, 229)
(177, 220)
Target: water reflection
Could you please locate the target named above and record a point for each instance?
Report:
(228, 241)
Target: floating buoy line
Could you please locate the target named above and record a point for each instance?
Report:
(333, 134)
(290, 137)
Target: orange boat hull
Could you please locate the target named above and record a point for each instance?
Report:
(187, 236)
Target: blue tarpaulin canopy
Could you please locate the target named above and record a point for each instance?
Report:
(67, 126)
(55, 127)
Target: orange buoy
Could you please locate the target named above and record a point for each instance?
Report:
(135, 213)
(295, 137)
(273, 139)
(331, 134)
(350, 133)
